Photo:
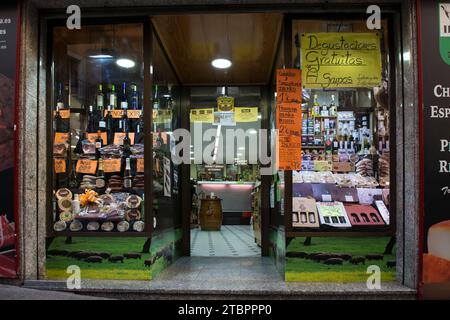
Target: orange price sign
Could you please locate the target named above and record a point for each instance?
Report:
(60, 165)
(289, 125)
(289, 85)
(140, 165)
(86, 166)
(134, 114)
(116, 114)
(61, 137)
(93, 136)
(63, 113)
(111, 165)
(119, 136)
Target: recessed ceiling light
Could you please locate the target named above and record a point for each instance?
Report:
(101, 56)
(221, 63)
(125, 63)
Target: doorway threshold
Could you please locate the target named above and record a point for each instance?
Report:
(205, 278)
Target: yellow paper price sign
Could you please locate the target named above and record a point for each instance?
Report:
(111, 165)
(59, 165)
(205, 115)
(246, 114)
(119, 136)
(86, 166)
(140, 165)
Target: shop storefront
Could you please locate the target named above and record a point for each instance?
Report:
(102, 110)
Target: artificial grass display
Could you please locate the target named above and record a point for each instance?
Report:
(306, 270)
(130, 269)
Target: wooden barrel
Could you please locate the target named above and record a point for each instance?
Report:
(211, 214)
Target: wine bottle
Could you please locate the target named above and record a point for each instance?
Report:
(134, 97)
(113, 97)
(57, 119)
(100, 177)
(98, 144)
(126, 144)
(102, 121)
(124, 102)
(100, 99)
(316, 106)
(73, 180)
(127, 177)
(140, 124)
(333, 108)
(123, 122)
(109, 123)
(90, 121)
(156, 99)
(79, 147)
(60, 97)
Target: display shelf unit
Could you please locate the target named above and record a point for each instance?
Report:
(146, 98)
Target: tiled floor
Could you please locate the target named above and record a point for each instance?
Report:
(230, 241)
(221, 269)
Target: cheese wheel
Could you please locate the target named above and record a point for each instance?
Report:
(439, 240)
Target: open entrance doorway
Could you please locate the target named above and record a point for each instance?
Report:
(225, 66)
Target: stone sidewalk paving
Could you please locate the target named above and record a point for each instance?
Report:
(8, 292)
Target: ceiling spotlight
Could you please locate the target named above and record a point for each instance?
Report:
(101, 56)
(221, 63)
(125, 63)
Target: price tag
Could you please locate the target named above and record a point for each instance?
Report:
(119, 136)
(111, 165)
(349, 198)
(93, 136)
(134, 114)
(116, 114)
(326, 198)
(140, 165)
(61, 137)
(63, 113)
(60, 165)
(86, 166)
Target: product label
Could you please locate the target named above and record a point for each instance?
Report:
(100, 183)
(99, 101)
(127, 183)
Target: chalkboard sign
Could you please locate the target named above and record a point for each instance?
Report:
(340, 60)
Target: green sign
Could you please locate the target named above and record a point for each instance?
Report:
(444, 31)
